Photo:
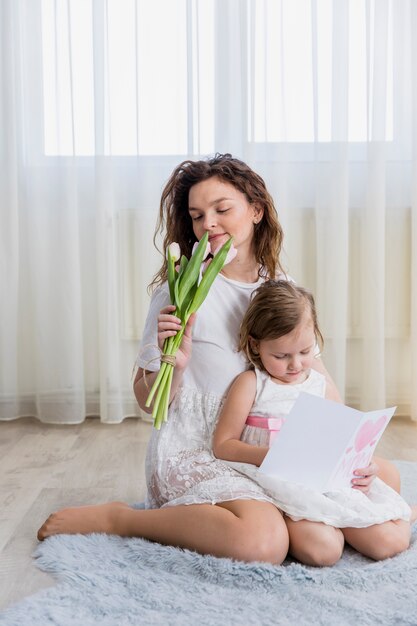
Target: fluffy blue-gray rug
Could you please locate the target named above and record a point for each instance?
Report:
(109, 581)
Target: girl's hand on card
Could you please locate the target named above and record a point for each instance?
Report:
(364, 477)
(168, 326)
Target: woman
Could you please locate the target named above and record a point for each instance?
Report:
(194, 500)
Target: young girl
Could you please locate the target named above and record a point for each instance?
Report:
(194, 500)
(279, 335)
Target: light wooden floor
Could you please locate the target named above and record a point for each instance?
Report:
(43, 468)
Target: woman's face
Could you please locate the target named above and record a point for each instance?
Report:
(221, 210)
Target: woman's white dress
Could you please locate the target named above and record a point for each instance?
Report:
(180, 465)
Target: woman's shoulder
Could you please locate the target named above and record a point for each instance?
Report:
(160, 297)
(160, 290)
(148, 347)
(284, 276)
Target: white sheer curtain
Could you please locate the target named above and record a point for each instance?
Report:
(73, 283)
(347, 197)
(320, 97)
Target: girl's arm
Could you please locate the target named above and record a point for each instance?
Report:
(168, 326)
(385, 470)
(226, 438)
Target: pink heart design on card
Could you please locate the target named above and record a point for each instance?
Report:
(368, 432)
(348, 450)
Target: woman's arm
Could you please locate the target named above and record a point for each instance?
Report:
(226, 438)
(168, 326)
(143, 385)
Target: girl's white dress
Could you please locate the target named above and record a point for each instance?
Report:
(180, 466)
(342, 508)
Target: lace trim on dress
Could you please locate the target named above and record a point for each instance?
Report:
(180, 466)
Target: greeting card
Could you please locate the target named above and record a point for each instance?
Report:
(322, 442)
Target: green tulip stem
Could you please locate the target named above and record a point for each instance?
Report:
(187, 296)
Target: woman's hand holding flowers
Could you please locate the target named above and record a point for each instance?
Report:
(189, 283)
(168, 326)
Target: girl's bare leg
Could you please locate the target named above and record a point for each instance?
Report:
(246, 530)
(389, 473)
(381, 541)
(314, 543)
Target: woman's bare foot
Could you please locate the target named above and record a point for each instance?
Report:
(413, 517)
(100, 518)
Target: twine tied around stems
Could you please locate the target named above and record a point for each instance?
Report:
(163, 358)
(171, 359)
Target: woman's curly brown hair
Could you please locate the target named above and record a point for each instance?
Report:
(174, 218)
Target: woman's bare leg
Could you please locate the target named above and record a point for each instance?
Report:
(380, 541)
(314, 543)
(246, 530)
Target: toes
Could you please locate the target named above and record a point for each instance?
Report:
(43, 530)
(40, 534)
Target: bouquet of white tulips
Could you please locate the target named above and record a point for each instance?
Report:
(189, 284)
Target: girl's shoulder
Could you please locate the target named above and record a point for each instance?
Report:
(315, 375)
(315, 383)
(248, 377)
(249, 374)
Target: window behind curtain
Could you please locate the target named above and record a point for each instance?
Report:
(144, 70)
(287, 40)
(133, 77)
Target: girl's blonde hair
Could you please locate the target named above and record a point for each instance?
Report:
(174, 218)
(276, 308)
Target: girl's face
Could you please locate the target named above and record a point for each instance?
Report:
(289, 358)
(220, 209)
